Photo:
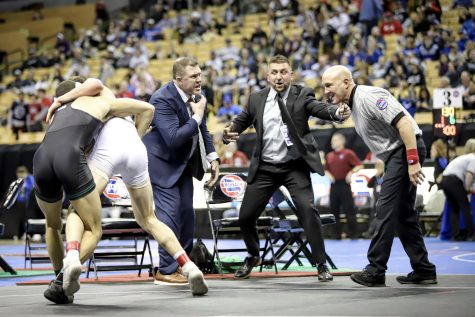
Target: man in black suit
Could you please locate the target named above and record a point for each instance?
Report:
(285, 154)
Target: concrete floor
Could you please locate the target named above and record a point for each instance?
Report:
(294, 296)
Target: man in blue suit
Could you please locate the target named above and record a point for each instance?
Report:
(179, 146)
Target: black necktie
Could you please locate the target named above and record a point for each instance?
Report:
(291, 126)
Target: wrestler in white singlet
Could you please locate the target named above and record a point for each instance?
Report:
(119, 150)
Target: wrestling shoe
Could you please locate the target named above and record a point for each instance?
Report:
(55, 293)
(71, 271)
(196, 279)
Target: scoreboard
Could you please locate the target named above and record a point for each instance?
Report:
(445, 105)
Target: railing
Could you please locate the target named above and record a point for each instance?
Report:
(8, 61)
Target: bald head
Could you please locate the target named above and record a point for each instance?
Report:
(338, 83)
(338, 71)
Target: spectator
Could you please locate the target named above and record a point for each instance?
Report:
(390, 25)
(122, 90)
(467, 85)
(233, 157)
(37, 111)
(228, 110)
(416, 75)
(62, 45)
(224, 81)
(138, 59)
(462, 3)
(29, 83)
(406, 96)
(214, 61)
(409, 48)
(444, 82)
(18, 115)
(432, 11)
(258, 34)
(373, 53)
(340, 22)
(379, 69)
(158, 52)
(424, 101)
(429, 49)
(229, 51)
(17, 83)
(469, 63)
(106, 70)
(438, 153)
(23, 195)
(142, 83)
(56, 77)
(468, 26)
(44, 83)
(101, 11)
(400, 11)
(341, 164)
(370, 13)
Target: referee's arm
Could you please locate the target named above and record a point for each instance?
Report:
(408, 136)
(406, 131)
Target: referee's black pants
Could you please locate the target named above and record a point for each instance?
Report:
(341, 200)
(457, 198)
(395, 214)
(295, 176)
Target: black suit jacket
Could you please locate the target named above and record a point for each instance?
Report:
(301, 104)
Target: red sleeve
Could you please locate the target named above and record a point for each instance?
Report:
(353, 159)
(398, 29)
(327, 160)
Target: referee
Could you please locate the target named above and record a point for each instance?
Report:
(392, 135)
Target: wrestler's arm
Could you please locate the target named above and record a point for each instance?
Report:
(127, 106)
(91, 87)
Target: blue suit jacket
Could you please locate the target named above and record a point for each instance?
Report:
(170, 142)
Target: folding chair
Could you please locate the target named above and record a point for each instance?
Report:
(228, 188)
(289, 235)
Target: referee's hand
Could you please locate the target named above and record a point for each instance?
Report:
(415, 174)
(343, 111)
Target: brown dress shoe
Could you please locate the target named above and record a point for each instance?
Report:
(176, 278)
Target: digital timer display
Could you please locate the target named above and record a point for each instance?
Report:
(445, 122)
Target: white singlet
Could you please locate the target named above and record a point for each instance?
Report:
(119, 150)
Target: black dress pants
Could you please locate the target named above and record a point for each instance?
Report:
(295, 176)
(457, 198)
(341, 200)
(395, 214)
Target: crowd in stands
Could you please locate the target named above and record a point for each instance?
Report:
(349, 32)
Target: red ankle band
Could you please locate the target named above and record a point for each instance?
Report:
(73, 245)
(183, 259)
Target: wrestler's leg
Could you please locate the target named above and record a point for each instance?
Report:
(142, 206)
(81, 238)
(54, 241)
(87, 227)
